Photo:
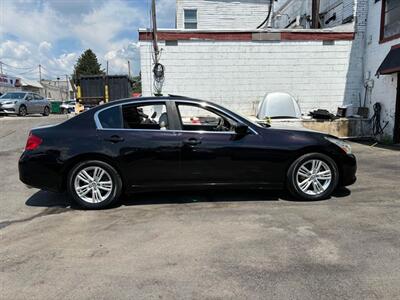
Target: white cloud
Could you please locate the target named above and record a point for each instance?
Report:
(31, 31)
(14, 50)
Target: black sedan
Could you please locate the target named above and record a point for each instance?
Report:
(179, 143)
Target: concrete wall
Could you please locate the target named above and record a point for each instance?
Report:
(224, 14)
(239, 73)
(384, 90)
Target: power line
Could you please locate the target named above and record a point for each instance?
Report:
(14, 67)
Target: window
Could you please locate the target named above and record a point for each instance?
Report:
(111, 118)
(29, 97)
(37, 97)
(145, 116)
(196, 118)
(390, 23)
(190, 18)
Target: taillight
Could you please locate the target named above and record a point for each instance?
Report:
(33, 142)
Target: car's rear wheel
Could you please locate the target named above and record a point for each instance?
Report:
(22, 111)
(94, 184)
(46, 111)
(313, 176)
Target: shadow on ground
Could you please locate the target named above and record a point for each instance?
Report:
(62, 200)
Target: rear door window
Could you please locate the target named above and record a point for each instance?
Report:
(111, 117)
(145, 116)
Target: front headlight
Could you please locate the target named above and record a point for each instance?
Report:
(343, 145)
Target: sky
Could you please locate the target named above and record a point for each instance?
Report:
(54, 33)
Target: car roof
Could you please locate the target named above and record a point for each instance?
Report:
(154, 98)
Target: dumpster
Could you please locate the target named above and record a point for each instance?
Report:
(55, 107)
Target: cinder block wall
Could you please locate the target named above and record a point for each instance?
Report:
(239, 74)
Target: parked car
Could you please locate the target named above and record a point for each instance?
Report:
(67, 106)
(152, 143)
(23, 103)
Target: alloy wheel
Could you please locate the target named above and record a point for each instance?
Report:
(93, 184)
(313, 177)
(22, 111)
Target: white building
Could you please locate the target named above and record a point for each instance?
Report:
(57, 89)
(235, 64)
(244, 14)
(383, 40)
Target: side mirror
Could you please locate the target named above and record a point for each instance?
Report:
(241, 129)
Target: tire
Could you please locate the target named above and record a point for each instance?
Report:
(46, 111)
(303, 185)
(76, 184)
(22, 111)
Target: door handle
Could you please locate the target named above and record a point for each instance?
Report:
(114, 139)
(192, 142)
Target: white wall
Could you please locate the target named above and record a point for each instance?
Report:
(224, 14)
(384, 90)
(238, 74)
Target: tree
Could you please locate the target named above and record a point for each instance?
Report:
(87, 64)
(137, 83)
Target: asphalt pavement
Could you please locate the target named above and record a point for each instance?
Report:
(200, 245)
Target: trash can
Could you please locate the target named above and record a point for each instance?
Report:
(55, 107)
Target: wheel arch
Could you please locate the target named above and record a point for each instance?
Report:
(313, 149)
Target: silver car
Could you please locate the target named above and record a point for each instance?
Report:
(23, 103)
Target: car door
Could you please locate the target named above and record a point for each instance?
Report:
(30, 103)
(38, 103)
(212, 153)
(140, 137)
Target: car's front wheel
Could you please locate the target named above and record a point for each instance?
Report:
(22, 111)
(94, 184)
(313, 176)
(46, 111)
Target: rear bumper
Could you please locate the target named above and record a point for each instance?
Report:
(348, 170)
(37, 170)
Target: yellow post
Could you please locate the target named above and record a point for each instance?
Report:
(106, 93)
(78, 105)
(78, 92)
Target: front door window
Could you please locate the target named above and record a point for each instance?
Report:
(196, 118)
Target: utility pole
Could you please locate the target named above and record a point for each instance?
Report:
(107, 69)
(154, 19)
(40, 73)
(129, 69)
(67, 82)
(271, 16)
(1, 67)
(315, 14)
(158, 68)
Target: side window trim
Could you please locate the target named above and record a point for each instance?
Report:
(171, 106)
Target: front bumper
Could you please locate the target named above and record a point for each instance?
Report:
(8, 108)
(348, 170)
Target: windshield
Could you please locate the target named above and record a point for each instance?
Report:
(13, 96)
